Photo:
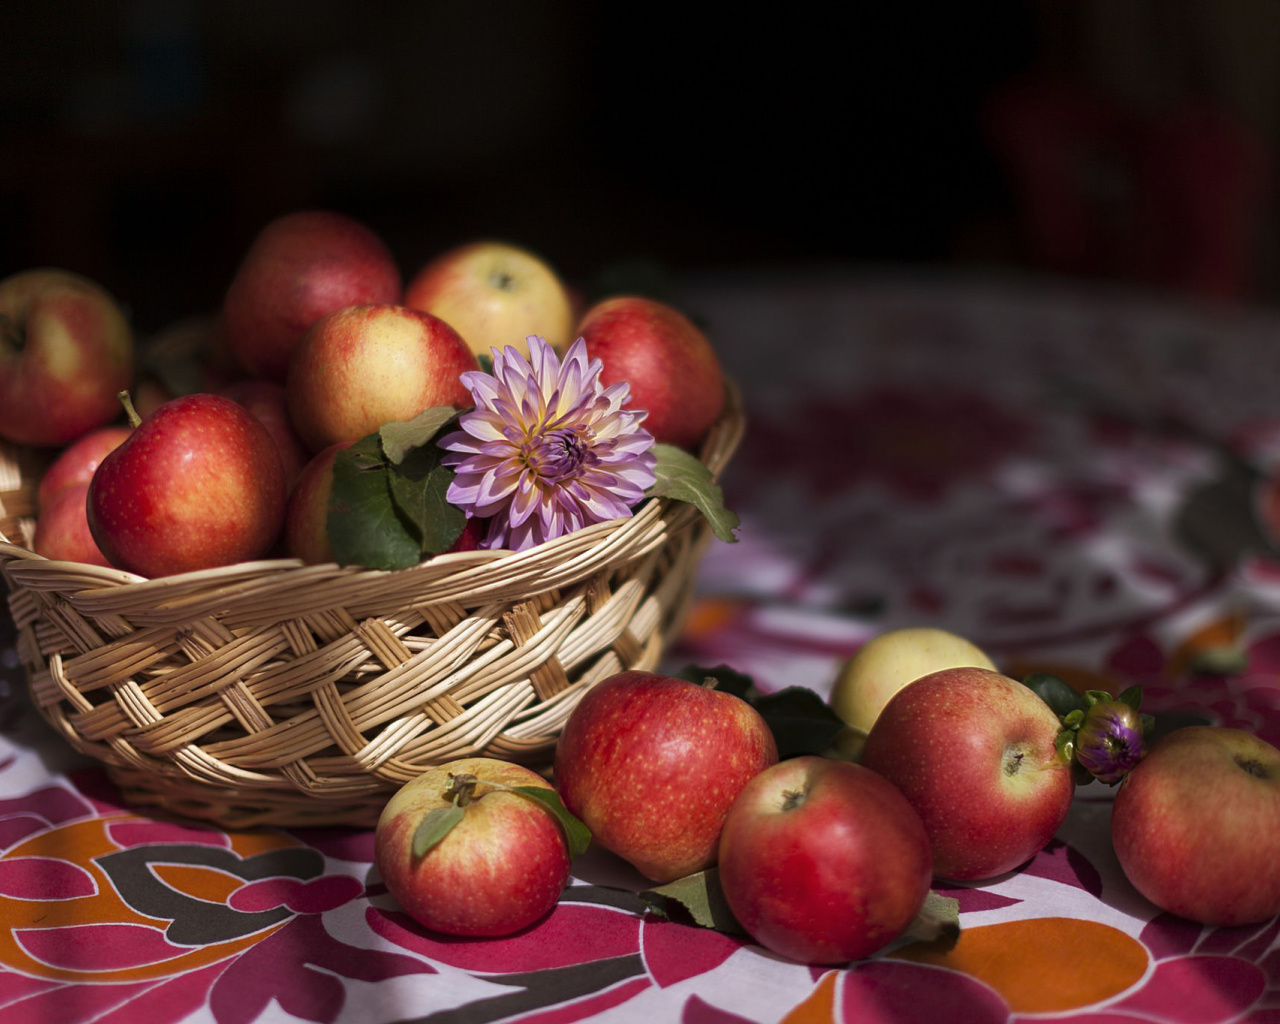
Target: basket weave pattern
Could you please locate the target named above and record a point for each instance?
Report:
(271, 693)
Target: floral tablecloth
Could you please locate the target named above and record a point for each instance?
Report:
(1070, 478)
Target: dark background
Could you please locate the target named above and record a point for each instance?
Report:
(145, 142)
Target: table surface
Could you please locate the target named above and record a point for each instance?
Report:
(1064, 475)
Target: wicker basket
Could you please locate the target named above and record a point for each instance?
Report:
(272, 693)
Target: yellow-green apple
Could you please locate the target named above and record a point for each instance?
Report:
(498, 870)
(495, 295)
(300, 267)
(651, 764)
(77, 462)
(266, 400)
(823, 861)
(364, 366)
(66, 351)
(1196, 826)
(673, 372)
(974, 753)
(888, 662)
(62, 528)
(197, 484)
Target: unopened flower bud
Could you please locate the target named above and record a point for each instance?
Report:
(1110, 740)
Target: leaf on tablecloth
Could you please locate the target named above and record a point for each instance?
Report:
(938, 921)
(1218, 520)
(695, 899)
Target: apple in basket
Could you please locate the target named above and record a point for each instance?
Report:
(1196, 826)
(673, 372)
(495, 295)
(300, 267)
(651, 765)
(197, 484)
(306, 521)
(888, 662)
(823, 861)
(77, 462)
(62, 528)
(974, 753)
(462, 853)
(266, 400)
(364, 366)
(66, 351)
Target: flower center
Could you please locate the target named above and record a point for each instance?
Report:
(558, 455)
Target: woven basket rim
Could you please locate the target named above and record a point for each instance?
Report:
(717, 448)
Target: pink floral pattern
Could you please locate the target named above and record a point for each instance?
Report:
(1014, 465)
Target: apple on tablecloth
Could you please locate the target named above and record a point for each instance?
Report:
(651, 764)
(888, 662)
(1196, 826)
(974, 753)
(495, 295)
(500, 868)
(823, 861)
(66, 352)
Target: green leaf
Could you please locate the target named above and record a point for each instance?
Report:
(577, 835)
(694, 899)
(682, 476)
(398, 439)
(434, 826)
(1220, 661)
(1054, 692)
(419, 487)
(1219, 522)
(938, 921)
(364, 524)
(800, 720)
(1131, 696)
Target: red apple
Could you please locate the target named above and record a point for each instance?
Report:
(823, 861)
(495, 295)
(651, 764)
(77, 463)
(306, 530)
(66, 352)
(973, 752)
(267, 401)
(671, 368)
(1196, 826)
(501, 868)
(300, 267)
(364, 366)
(197, 484)
(62, 528)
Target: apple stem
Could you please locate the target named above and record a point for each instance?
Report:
(462, 786)
(134, 419)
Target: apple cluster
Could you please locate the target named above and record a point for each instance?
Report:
(962, 774)
(319, 342)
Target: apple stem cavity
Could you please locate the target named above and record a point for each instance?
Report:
(462, 787)
(11, 333)
(135, 420)
(1254, 767)
(794, 798)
